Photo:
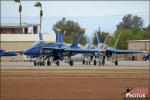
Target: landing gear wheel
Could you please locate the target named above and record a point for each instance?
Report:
(48, 63)
(116, 62)
(83, 62)
(94, 62)
(71, 62)
(43, 63)
(89, 62)
(35, 63)
(40, 63)
(57, 63)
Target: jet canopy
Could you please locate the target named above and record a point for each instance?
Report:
(38, 43)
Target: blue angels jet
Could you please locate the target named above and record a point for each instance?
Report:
(7, 53)
(95, 57)
(105, 50)
(109, 51)
(56, 51)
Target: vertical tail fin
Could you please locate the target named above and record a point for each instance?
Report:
(88, 42)
(106, 39)
(101, 45)
(117, 41)
(97, 38)
(59, 35)
(77, 38)
(41, 36)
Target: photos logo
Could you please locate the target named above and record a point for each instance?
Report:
(136, 93)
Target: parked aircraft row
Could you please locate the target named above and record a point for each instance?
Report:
(105, 50)
(44, 53)
(56, 51)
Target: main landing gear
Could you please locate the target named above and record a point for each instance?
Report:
(71, 62)
(48, 63)
(96, 60)
(83, 62)
(57, 63)
(86, 61)
(40, 63)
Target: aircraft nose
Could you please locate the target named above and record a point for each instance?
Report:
(14, 53)
(26, 51)
(31, 51)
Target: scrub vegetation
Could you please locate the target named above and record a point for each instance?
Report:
(130, 28)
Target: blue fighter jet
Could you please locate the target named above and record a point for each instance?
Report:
(56, 51)
(104, 50)
(95, 57)
(109, 51)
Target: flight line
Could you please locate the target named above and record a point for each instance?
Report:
(44, 53)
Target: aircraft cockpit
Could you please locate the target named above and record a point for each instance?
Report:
(38, 43)
(102, 46)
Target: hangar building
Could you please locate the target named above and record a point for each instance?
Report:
(14, 37)
(20, 42)
(143, 45)
(14, 28)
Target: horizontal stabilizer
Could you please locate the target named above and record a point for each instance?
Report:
(117, 51)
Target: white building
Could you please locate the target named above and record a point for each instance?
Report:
(20, 42)
(143, 45)
(139, 45)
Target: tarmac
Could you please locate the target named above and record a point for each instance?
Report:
(78, 65)
(23, 81)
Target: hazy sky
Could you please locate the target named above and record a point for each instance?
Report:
(89, 14)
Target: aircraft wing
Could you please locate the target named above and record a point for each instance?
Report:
(79, 50)
(73, 50)
(110, 51)
(8, 53)
(67, 51)
(51, 49)
(117, 51)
